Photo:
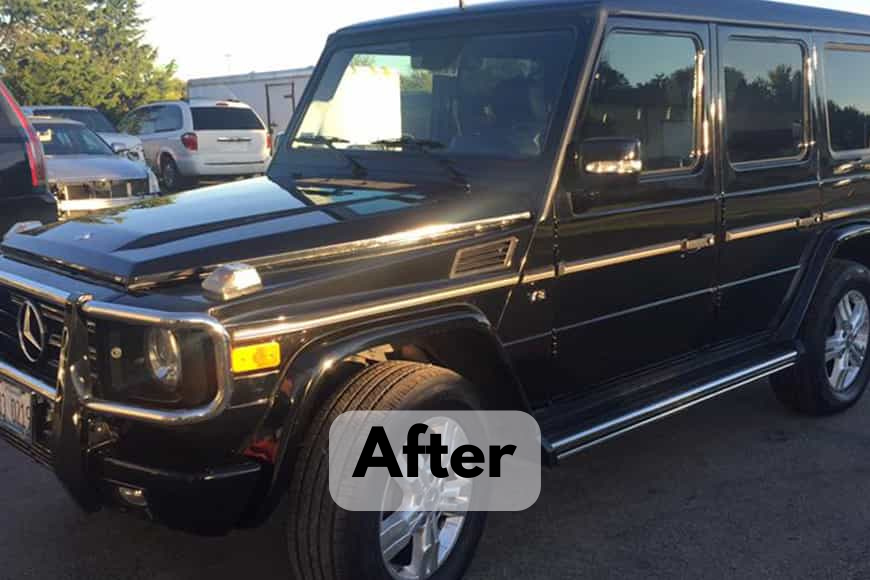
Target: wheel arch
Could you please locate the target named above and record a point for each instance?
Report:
(459, 338)
(847, 242)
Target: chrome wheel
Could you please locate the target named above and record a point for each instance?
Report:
(846, 346)
(419, 535)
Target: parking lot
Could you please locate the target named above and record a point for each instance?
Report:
(736, 488)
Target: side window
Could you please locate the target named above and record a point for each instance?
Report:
(168, 119)
(148, 120)
(132, 123)
(848, 93)
(645, 88)
(766, 100)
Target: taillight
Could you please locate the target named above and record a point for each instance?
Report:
(35, 155)
(190, 141)
(269, 141)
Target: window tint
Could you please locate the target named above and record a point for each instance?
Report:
(63, 139)
(848, 98)
(765, 99)
(168, 119)
(225, 119)
(645, 88)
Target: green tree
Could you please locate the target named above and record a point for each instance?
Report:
(82, 52)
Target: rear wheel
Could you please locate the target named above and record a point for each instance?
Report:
(171, 176)
(833, 373)
(329, 543)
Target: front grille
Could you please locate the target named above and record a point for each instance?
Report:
(10, 346)
(102, 189)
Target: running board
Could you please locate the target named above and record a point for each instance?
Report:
(669, 405)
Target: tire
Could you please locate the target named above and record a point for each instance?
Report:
(326, 542)
(171, 176)
(823, 382)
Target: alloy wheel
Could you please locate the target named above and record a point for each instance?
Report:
(418, 537)
(846, 346)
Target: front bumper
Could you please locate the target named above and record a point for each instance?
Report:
(80, 437)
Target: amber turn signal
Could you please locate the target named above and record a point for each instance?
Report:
(256, 357)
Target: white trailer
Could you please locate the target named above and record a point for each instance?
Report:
(274, 95)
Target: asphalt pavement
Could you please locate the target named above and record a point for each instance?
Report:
(734, 488)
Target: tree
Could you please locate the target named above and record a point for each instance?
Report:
(82, 52)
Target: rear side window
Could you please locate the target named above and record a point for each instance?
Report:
(645, 88)
(225, 119)
(766, 100)
(848, 92)
(168, 119)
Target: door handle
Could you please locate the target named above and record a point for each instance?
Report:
(691, 246)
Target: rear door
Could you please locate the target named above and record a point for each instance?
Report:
(229, 134)
(771, 197)
(23, 193)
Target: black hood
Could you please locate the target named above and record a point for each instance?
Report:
(178, 236)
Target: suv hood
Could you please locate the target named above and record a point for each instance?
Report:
(170, 238)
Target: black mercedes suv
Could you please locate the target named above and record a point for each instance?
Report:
(24, 195)
(599, 213)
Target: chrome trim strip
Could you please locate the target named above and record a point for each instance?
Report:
(291, 325)
(415, 237)
(845, 212)
(539, 275)
(19, 378)
(171, 320)
(407, 240)
(706, 241)
(599, 434)
(760, 230)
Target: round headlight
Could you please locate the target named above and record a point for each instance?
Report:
(164, 356)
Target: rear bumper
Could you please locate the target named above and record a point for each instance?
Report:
(199, 167)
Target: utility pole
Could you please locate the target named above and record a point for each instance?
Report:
(462, 4)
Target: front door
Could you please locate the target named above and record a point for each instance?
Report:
(637, 255)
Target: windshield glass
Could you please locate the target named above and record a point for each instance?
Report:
(93, 119)
(69, 139)
(486, 95)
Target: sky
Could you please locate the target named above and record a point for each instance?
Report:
(213, 38)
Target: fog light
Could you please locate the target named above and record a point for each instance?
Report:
(256, 357)
(164, 356)
(132, 496)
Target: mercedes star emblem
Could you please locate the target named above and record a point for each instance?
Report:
(31, 331)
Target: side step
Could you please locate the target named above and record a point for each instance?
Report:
(614, 424)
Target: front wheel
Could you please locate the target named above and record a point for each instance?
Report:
(329, 543)
(834, 371)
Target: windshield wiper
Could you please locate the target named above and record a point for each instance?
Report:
(359, 170)
(426, 146)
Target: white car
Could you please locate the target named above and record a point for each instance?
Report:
(94, 120)
(186, 141)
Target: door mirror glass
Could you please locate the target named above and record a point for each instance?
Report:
(610, 156)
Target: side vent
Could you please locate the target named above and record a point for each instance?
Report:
(487, 257)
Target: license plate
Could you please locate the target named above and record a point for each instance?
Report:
(15, 410)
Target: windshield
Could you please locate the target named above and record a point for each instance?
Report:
(69, 139)
(93, 119)
(486, 95)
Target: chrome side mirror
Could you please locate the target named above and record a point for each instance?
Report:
(610, 156)
(119, 148)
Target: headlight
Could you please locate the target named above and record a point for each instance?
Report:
(153, 183)
(164, 356)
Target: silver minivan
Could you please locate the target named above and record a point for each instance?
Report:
(198, 139)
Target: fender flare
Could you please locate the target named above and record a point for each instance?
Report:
(306, 381)
(826, 250)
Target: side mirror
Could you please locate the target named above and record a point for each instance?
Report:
(609, 157)
(119, 148)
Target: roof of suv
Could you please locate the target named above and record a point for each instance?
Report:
(37, 119)
(775, 14)
(203, 103)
